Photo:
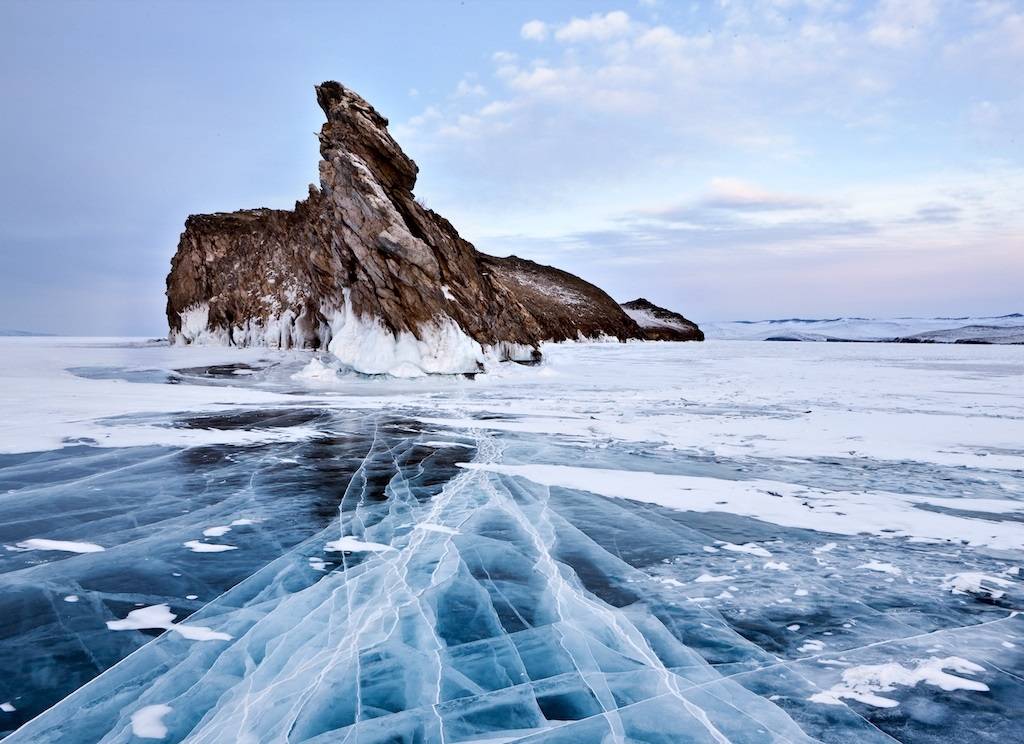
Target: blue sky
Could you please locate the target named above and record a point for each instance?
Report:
(728, 159)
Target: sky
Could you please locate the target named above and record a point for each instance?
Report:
(726, 159)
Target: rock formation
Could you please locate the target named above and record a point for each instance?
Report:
(362, 269)
(659, 324)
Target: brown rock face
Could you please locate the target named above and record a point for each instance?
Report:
(360, 253)
(563, 305)
(659, 324)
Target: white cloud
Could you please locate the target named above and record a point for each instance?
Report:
(596, 28)
(534, 30)
(899, 23)
(624, 111)
(467, 87)
(661, 38)
(735, 193)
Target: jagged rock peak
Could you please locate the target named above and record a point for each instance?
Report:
(363, 270)
(355, 126)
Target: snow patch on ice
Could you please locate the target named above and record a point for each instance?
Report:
(862, 683)
(160, 617)
(708, 578)
(63, 546)
(975, 582)
(881, 567)
(349, 544)
(200, 547)
(751, 548)
(147, 722)
(885, 514)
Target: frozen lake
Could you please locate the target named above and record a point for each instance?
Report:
(722, 542)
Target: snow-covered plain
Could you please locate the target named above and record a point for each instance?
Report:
(728, 541)
(1002, 329)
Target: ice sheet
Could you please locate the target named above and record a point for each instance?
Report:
(734, 542)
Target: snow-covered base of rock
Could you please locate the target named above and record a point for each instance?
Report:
(630, 542)
(360, 343)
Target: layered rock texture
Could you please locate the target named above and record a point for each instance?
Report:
(659, 324)
(362, 269)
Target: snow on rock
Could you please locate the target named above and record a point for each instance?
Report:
(863, 683)
(160, 617)
(660, 324)
(147, 722)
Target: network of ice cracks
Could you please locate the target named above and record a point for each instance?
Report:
(388, 583)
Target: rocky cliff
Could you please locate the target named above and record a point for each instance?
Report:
(362, 269)
(659, 324)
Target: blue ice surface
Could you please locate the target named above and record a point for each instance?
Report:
(500, 610)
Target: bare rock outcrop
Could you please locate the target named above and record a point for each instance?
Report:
(659, 324)
(359, 267)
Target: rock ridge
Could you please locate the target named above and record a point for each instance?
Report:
(659, 324)
(362, 269)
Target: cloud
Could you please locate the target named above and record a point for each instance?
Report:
(467, 87)
(899, 23)
(822, 109)
(937, 214)
(736, 194)
(596, 28)
(534, 30)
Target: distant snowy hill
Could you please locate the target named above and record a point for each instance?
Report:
(1003, 329)
(21, 333)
